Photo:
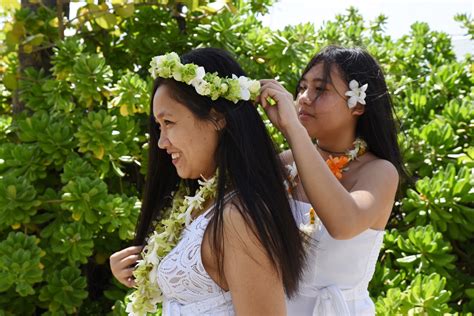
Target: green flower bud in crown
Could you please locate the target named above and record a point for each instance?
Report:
(206, 84)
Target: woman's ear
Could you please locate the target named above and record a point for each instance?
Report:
(358, 110)
(218, 120)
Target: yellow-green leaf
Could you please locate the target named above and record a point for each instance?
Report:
(19, 29)
(124, 110)
(10, 4)
(76, 216)
(54, 22)
(106, 21)
(11, 192)
(99, 153)
(27, 48)
(34, 40)
(126, 10)
(10, 81)
(216, 6)
(11, 40)
(15, 226)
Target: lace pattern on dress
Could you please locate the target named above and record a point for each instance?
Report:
(181, 274)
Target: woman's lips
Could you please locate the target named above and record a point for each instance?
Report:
(175, 157)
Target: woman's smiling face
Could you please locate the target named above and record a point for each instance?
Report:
(190, 141)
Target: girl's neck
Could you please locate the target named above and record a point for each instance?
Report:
(335, 146)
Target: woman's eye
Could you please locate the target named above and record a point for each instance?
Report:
(320, 89)
(167, 123)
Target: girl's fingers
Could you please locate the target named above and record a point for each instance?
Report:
(272, 84)
(265, 96)
(276, 95)
(267, 81)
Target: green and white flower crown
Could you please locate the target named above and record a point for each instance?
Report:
(207, 84)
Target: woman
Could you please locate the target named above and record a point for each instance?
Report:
(241, 250)
(342, 103)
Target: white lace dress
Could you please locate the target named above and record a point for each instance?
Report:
(337, 272)
(187, 287)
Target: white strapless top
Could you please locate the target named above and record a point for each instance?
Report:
(337, 272)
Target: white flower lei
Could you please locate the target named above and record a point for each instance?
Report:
(165, 237)
(206, 84)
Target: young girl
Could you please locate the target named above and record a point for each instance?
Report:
(344, 167)
(213, 169)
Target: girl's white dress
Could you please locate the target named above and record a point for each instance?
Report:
(187, 287)
(337, 272)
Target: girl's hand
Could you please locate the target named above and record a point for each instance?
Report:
(122, 264)
(283, 114)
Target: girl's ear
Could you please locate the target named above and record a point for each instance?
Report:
(358, 110)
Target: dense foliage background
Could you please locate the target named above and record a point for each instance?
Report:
(73, 115)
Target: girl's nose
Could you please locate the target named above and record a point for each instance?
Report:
(305, 98)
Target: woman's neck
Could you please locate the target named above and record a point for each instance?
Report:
(205, 206)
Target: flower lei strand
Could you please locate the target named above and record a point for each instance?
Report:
(167, 233)
(206, 84)
(337, 165)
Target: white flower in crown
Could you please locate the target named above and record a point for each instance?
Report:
(202, 87)
(244, 84)
(356, 94)
(164, 65)
(199, 77)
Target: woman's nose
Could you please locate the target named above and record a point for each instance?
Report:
(163, 141)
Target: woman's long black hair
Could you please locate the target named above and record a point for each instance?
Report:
(248, 163)
(376, 125)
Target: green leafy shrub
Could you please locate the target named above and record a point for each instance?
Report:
(73, 145)
(20, 263)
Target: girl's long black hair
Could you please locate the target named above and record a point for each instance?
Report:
(248, 164)
(376, 125)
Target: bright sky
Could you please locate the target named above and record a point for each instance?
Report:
(439, 14)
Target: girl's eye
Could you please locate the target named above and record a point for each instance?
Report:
(320, 89)
(167, 123)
